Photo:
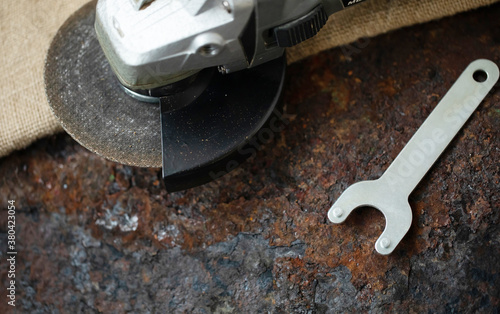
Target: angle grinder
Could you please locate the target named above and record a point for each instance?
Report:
(180, 84)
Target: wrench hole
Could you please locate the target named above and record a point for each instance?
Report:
(480, 76)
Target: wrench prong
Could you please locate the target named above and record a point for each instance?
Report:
(394, 206)
(356, 195)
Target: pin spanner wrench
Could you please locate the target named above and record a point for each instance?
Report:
(390, 192)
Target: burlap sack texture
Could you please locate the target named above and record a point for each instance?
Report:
(28, 26)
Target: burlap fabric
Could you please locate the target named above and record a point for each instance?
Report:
(28, 26)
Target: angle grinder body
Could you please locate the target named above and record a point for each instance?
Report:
(128, 85)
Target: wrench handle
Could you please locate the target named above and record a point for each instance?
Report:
(444, 122)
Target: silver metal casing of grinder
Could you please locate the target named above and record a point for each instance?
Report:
(155, 43)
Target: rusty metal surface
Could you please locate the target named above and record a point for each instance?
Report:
(97, 236)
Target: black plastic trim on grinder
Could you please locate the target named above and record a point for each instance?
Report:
(305, 27)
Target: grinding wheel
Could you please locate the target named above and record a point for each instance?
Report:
(94, 109)
(88, 101)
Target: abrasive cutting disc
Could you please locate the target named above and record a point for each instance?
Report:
(94, 109)
(90, 105)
